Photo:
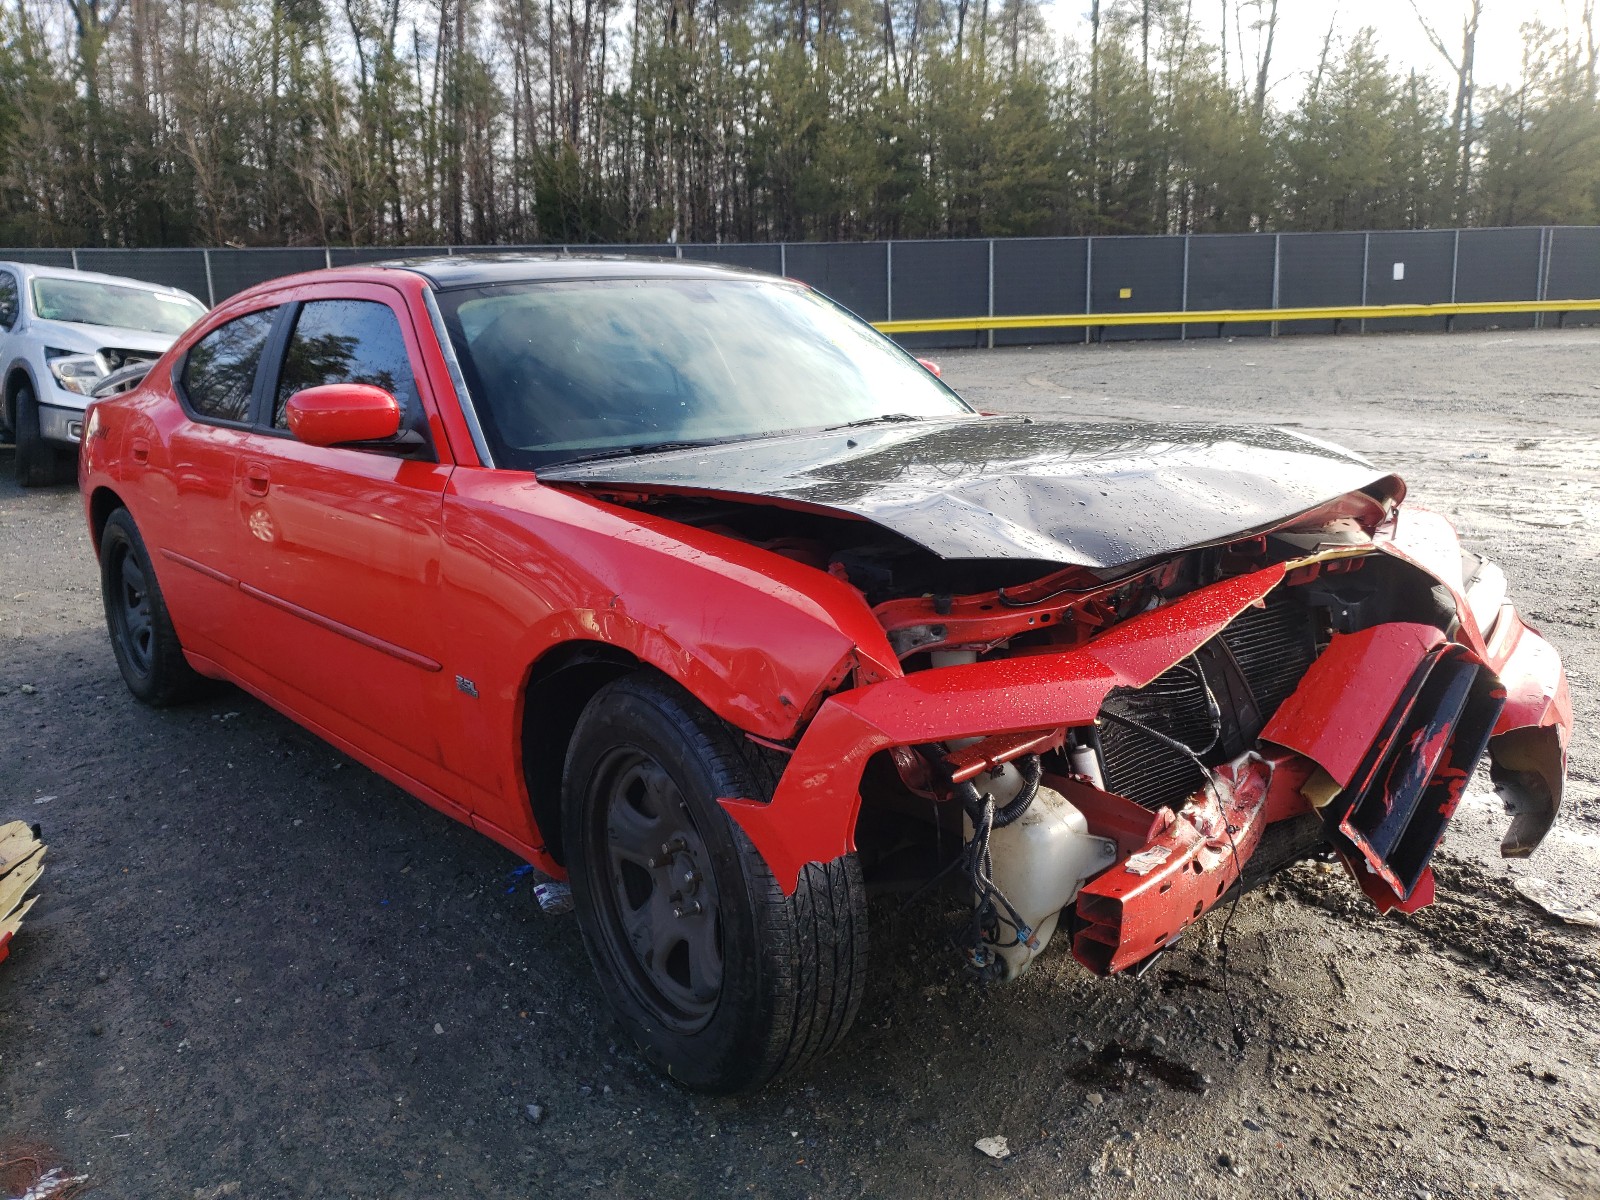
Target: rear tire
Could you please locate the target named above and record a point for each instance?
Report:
(142, 637)
(723, 981)
(39, 464)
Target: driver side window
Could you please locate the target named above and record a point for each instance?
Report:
(348, 341)
(8, 300)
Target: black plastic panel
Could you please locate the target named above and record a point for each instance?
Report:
(39, 258)
(234, 270)
(1039, 277)
(768, 258)
(345, 256)
(1230, 270)
(1318, 270)
(1424, 258)
(1574, 271)
(1137, 274)
(184, 269)
(1494, 265)
(856, 274)
(941, 279)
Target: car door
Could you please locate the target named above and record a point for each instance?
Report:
(340, 565)
(181, 459)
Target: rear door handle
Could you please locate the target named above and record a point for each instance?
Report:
(141, 450)
(256, 479)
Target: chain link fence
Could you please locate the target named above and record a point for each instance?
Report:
(910, 280)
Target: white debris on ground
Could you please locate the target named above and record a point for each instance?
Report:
(52, 1183)
(994, 1147)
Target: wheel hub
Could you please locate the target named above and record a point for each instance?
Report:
(662, 900)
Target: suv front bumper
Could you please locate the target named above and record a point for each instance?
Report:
(57, 424)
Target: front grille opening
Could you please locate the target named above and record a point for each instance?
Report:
(1252, 666)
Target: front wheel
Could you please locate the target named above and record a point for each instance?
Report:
(722, 980)
(39, 463)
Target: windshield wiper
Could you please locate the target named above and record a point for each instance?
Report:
(643, 448)
(885, 419)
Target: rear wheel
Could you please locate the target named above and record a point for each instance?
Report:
(142, 637)
(39, 463)
(724, 982)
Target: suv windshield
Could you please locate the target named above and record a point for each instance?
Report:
(90, 302)
(565, 370)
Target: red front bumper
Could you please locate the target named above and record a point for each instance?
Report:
(1351, 731)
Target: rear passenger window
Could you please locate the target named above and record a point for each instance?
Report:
(348, 341)
(220, 371)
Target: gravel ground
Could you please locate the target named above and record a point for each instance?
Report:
(259, 970)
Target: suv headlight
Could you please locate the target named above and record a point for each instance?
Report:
(74, 371)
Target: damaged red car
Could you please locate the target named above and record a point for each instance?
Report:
(691, 589)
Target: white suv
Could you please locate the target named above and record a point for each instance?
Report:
(60, 333)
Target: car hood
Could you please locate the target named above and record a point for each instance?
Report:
(1091, 494)
(69, 335)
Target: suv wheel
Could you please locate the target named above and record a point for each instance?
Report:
(722, 980)
(39, 463)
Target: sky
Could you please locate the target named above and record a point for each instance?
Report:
(1302, 24)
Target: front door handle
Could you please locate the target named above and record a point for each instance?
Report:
(256, 479)
(141, 450)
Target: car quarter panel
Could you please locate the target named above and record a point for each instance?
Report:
(757, 638)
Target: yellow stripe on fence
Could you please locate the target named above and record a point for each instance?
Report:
(1228, 316)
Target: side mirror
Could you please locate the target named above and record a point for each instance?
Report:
(336, 413)
(931, 367)
(8, 314)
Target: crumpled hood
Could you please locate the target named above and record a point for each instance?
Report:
(1091, 494)
(86, 339)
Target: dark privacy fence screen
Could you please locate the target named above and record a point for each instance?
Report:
(912, 280)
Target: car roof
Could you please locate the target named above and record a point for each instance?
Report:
(474, 270)
(38, 271)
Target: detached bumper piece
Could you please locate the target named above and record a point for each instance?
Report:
(1396, 718)
(1412, 779)
(1380, 738)
(21, 860)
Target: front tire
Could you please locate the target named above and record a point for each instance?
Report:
(39, 464)
(142, 637)
(723, 981)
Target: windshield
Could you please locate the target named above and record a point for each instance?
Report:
(566, 370)
(90, 302)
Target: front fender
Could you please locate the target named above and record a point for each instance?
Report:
(758, 638)
(1528, 749)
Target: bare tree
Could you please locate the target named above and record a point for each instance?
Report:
(1266, 29)
(1461, 122)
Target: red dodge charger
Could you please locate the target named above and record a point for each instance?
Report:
(691, 589)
